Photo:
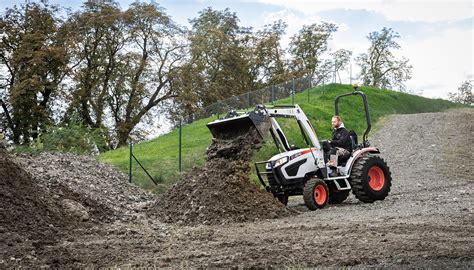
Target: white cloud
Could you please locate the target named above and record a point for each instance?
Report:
(441, 62)
(401, 10)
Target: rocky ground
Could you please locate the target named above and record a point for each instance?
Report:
(426, 221)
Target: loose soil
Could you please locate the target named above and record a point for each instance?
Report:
(425, 222)
(220, 191)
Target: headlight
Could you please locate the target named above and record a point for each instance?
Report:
(280, 161)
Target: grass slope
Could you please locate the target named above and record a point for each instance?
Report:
(160, 155)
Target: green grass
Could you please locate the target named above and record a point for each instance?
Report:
(160, 155)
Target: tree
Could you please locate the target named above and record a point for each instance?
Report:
(308, 46)
(34, 54)
(126, 61)
(100, 34)
(147, 74)
(340, 59)
(217, 55)
(265, 57)
(219, 63)
(464, 94)
(379, 67)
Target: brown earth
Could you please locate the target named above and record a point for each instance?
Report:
(220, 191)
(425, 222)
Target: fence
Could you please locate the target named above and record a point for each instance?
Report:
(267, 95)
(184, 147)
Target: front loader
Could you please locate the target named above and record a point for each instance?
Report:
(304, 171)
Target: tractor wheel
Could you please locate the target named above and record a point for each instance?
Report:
(315, 194)
(283, 198)
(338, 196)
(370, 179)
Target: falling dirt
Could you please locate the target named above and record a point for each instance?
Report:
(220, 191)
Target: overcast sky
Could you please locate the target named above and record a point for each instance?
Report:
(437, 36)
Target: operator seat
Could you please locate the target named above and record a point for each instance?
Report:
(343, 160)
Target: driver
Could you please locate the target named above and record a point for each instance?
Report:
(340, 142)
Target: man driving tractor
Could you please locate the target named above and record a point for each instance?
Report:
(340, 142)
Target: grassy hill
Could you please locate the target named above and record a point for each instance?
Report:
(160, 155)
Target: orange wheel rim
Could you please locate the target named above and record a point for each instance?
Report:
(376, 178)
(320, 194)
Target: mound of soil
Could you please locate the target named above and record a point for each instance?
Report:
(220, 191)
(98, 183)
(29, 218)
(34, 216)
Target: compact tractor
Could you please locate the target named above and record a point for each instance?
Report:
(306, 171)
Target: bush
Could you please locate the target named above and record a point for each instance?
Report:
(74, 137)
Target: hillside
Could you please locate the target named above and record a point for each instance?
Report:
(160, 155)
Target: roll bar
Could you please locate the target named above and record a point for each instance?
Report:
(366, 106)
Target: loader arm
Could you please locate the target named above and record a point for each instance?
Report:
(293, 111)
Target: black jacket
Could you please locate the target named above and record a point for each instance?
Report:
(341, 138)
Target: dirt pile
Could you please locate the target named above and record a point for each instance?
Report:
(220, 191)
(29, 217)
(101, 184)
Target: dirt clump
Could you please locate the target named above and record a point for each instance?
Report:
(220, 191)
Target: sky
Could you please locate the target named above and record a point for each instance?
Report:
(436, 36)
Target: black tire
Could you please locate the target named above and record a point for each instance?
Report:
(315, 194)
(364, 187)
(338, 196)
(283, 198)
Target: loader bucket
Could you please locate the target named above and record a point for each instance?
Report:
(233, 127)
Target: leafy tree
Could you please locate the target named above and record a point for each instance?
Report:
(379, 67)
(340, 59)
(34, 54)
(464, 94)
(147, 73)
(217, 55)
(125, 64)
(265, 56)
(99, 34)
(308, 46)
(219, 63)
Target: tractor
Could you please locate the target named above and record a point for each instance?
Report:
(305, 171)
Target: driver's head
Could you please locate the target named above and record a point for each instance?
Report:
(336, 121)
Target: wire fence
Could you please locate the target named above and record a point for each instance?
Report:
(265, 95)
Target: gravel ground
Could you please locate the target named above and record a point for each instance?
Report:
(426, 221)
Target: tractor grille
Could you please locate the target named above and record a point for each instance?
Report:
(271, 178)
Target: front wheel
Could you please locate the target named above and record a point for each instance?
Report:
(315, 194)
(370, 179)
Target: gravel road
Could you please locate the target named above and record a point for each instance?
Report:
(426, 221)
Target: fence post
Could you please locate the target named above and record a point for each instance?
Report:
(130, 164)
(293, 93)
(179, 152)
(248, 99)
(273, 94)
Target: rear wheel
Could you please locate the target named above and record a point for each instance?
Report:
(370, 179)
(338, 196)
(315, 194)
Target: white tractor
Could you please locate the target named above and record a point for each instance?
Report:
(305, 171)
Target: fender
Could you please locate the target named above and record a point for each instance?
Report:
(356, 155)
